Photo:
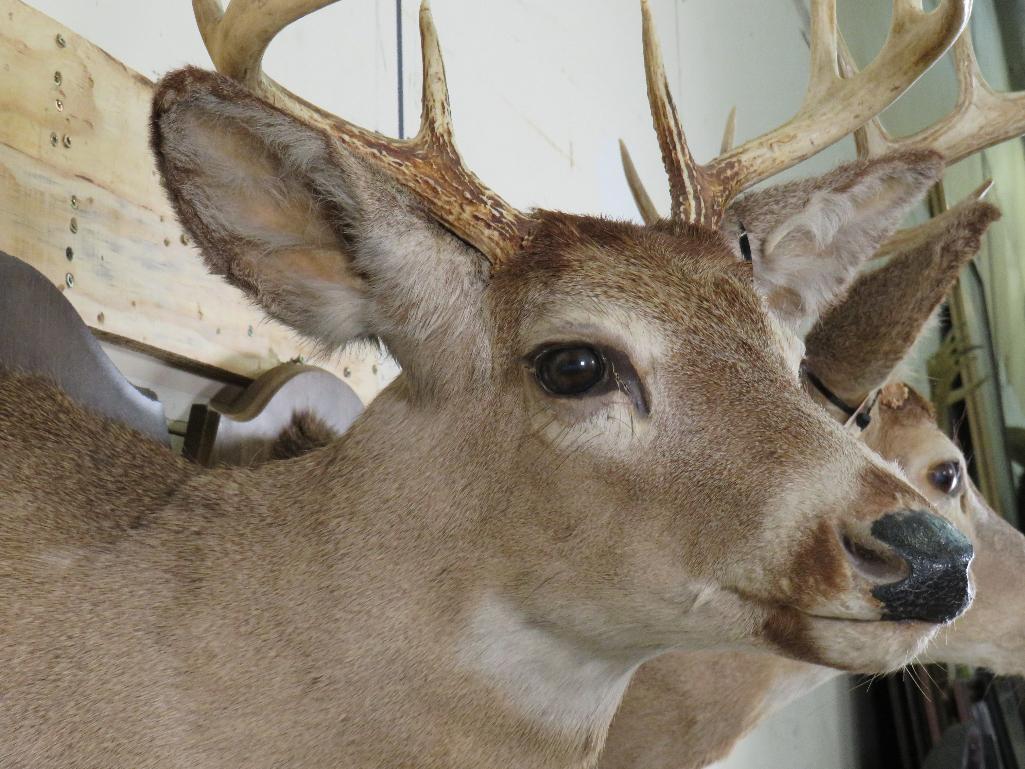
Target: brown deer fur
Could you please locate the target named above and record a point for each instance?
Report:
(688, 710)
(305, 433)
(471, 574)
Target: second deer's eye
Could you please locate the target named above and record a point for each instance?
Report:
(946, 477)
(570, 370)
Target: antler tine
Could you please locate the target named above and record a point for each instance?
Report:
(729, 132)
(822, 43)
(435, 113)
(687, 189)
(427, 165)
(905, 239)
(647, 210)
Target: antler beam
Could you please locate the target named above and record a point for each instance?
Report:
(237, 38)
(833, 105)
(981, 118)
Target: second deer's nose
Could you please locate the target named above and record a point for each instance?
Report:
(923, 573)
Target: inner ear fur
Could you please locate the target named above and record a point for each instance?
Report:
(810, 237)
(858, 342)
(264, 196)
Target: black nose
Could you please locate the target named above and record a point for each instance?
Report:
(936, 588)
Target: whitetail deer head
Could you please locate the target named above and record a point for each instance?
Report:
(628, 370)
(991, 634)
(686, 710)
(598, 448)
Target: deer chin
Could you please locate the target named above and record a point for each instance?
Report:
(871, 647)
(851, 644)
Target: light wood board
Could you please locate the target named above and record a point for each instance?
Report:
(80, 200)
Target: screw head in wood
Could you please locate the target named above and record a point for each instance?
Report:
(58, 78)
(60, 105)
(67, 140)
(74, 198)
(54, 139)
(74, 224)
(346, 372)
(69, 253)
(61, 42)
(69, 280)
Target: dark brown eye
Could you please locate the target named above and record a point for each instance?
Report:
(946, 476)
(571, 370)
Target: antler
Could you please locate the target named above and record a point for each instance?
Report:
(428, 165)
(902, 240)
(649, 214)
(641, 197)
(981, 118)
(833, 105)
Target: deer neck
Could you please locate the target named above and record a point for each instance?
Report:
(565, 689)
(415, 567)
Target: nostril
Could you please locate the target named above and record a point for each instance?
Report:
(875, 566)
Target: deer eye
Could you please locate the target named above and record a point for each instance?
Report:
(946, 476)
(570, 370)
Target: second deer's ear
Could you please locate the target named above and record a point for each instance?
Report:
(809, 238)
(302, 226)
(858, 342)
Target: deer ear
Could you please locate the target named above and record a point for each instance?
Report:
(303, 227)
(809, 238)
(858, 342)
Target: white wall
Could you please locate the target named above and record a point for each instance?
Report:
(816, 731)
